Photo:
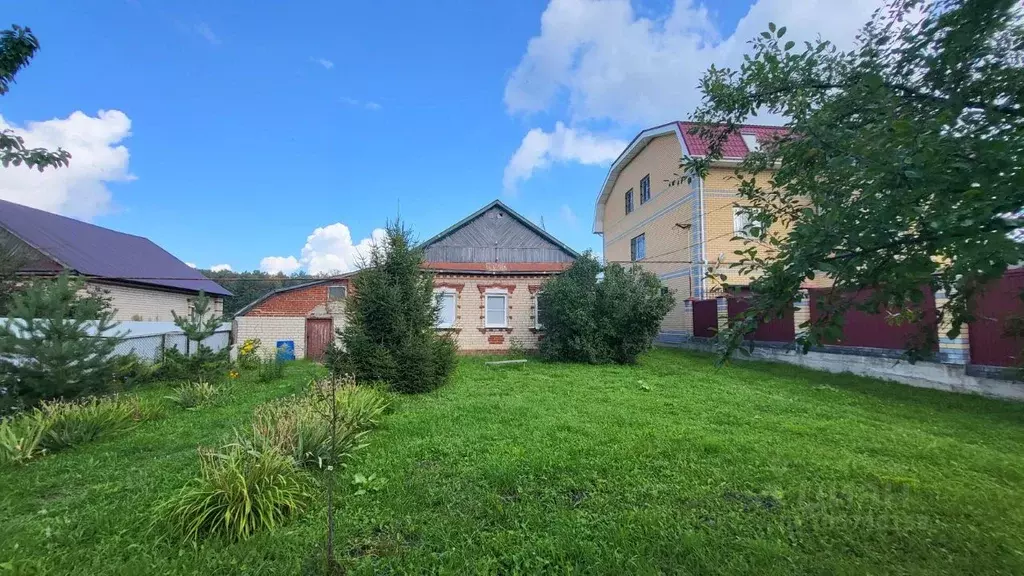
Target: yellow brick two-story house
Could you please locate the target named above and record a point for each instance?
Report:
(647, 212)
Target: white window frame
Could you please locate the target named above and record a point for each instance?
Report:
(750, 140)
(741, 222)
(444, 293)
(645, 189)
(504, 296)
(536, 311)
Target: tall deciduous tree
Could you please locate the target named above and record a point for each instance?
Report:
(17, 47)
(903, 166)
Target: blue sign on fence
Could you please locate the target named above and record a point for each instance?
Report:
(285, 349)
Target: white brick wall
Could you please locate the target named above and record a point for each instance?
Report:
(469, 330)
(270, 329)
(148, 304)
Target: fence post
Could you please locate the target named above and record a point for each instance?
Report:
(163, 345)
(956, 351)
(801, 313)
(723, 313)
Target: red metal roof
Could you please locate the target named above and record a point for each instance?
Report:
(499, 267)
(734, 146)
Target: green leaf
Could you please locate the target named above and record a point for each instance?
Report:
(789, 45)
(782, 32)
(771, 26)
(766, 35)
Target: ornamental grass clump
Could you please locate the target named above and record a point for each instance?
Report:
(240, 491)
(301, 430)
(193, 394)
(58, 425)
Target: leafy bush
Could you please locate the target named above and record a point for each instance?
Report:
(55, 425)
(269, 369)
(240, 491)
(48, 346)
(389, 333)
(202, 364)
(301, 429)
(131, 371)
(193, 394)
(249, 354)
(612, 320)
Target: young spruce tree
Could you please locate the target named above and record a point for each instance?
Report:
(389, 335)
(49, 347)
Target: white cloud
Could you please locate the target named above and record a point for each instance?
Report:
(220, 268)
(367, 104)
(280, 264)
(204, 30)
(611, 64)
(569, 216)
(327, 64)
(190, 264)
(540, 149)
(97, 158)
(328, 250)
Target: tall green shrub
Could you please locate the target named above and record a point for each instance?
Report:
(49, 346)
(389, 334)
(612, 319)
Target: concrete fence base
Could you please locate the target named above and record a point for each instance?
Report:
(933, 375)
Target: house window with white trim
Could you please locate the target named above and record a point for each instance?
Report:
(751, 141)
(629, 201)
(445, 308)
(496, 310)
(536, 312)
(741, 222)
(645, 189)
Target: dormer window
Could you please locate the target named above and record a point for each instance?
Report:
(751, 141)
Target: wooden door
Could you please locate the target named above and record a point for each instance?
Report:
(319, 332)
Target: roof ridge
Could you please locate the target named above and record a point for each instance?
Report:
(692, 123)
(64, 217)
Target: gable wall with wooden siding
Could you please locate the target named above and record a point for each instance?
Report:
(495, 236)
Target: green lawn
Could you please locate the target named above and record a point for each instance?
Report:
(672, 466)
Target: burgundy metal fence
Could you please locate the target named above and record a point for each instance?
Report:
(993, 308)
(865, 329)
(776, 330)
(705, 318)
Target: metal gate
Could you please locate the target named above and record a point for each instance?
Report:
(705, 318)
(319, 332)
(995, 308)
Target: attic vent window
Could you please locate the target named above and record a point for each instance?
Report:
(751, 141)
(501, 214)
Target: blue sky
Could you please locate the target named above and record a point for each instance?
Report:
(241, 128)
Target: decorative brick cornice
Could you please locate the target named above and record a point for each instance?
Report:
(486, 330)
(484, 287)
(457, 286)
(534, 288)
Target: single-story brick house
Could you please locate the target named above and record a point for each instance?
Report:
(488, 268)
(144, 281)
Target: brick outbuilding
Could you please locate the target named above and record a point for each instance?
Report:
(306, 314)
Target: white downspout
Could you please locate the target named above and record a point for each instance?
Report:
(703, 255)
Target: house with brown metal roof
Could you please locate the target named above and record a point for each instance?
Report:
(488, 268)
(144, 281)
